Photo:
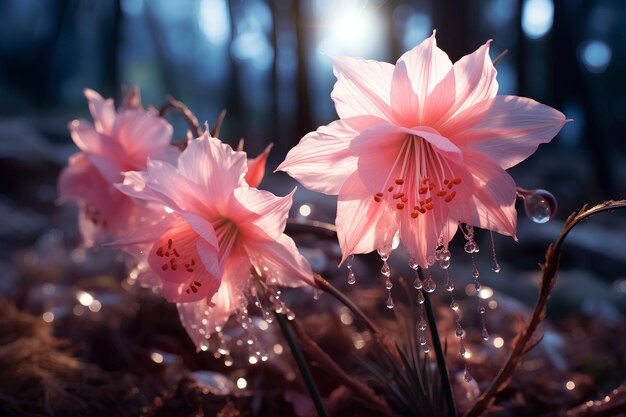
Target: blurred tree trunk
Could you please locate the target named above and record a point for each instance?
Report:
(303, 119)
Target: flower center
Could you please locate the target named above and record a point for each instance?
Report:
(227, 233)
(95, 216)
(419, 179)
(179, 258)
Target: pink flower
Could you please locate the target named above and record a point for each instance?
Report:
(219, 227)
(419, 147)
(116, 142)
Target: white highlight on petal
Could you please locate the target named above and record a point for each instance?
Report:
(537, 17)
(168, 210)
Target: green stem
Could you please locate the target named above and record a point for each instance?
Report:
(304, 368)
(441, 359)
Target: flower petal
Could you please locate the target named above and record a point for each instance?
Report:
(260, 215)
(362, 87)
(280, 262)
(256, 167)
(102, 111)
(322, 160)
(424, 66)
(512, 129)
(141, 134)
(363, 225)
(214, 166)
(420, 235)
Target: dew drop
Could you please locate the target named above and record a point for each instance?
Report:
(495, 266)
(462, 350)
(425, 348)
(351, 277)
(316, 294)
(417, 283)
(475, 272)
(385, 270)
(477, 286)
(444, 263)
(420, 297)
(470, 246)
(388, 284)
(422, 324)
(422, 339)
(449, 286)
(540, 205)
(481, 309)
(484, 334)
(454, 305)
(413, 264)
(430, 260)
(389, 301)
(466, 374)
(429, 285)
(459, 331)
(445, 255)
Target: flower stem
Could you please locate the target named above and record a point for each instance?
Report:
(179, 106)
(441, 359)
(302, 365)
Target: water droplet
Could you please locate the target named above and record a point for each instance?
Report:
(389, 301)
(425, 348)
(384, 252)
(466, 374)
(475, 272)
(422, 339)
(446, 255)
(351, 277)
(495, 266)
(540, 205)
(449, 286)
(477, 286)
(413, 264)
(385, 270)
(470, 246)
(420, 297)
(462, 350)
(459, 331)
(422, 324)
(481, 309)
(454, 305)
(429, 285)
(430, 260)
(417, 283)
(388, 284)
(444, 263)
(316, 294)
(484, 334)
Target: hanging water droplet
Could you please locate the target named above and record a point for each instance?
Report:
(454, 305)
(413, 264)
(462, 350)
(495, 266)
(425, 348)
(422, 339)
(466, 374)
(385, 270)
(484, 334)
(540, 205)
(290, 315)
(351, 277)
(388, 284)
(389, 301)
(317, 293)
(481, 309)
(430, 260)
(446, 255)
(444, 263)
(384, 252)
(422, 324)
(417, 284)
(429, 285)
(459, 331)
(449, 286)
(475, 272)
(477, 286)
(470, 246)
(420, 298)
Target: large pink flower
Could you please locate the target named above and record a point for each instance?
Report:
(419, 147)
(116, 142)
(218, 228)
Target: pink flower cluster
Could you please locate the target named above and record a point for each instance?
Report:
(420, 147)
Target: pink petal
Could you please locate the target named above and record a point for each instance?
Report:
(381, 158)
(78, 179)
(420, 235)
(362, 87)
(475, 82)
(416, 75)
(102, 111)
(141, 134)
(363, 225)
(493, 205)
(256, 167)
(214, 166)
(280, 262)
(260, 215)
(322, 160)
(512, 129)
